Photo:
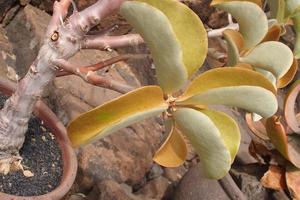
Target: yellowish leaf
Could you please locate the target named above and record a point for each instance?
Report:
(175, 35)
(228, 128)
(173, 151)
(226, 77)
(215, 2)
(273, 33)
(235, 44)
(206, 139)
(289, 76)
(119, 113)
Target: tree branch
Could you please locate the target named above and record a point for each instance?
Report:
(88, 74)
(104, 42)
(92, 15)
(60, 11)
(71, 68)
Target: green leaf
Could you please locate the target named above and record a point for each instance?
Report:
(232, 86)
(292, 7)
(207, 140)
(252, 98)
(253, 23)
(225, 77)
(175, 35)
(173, 151)
(235, 43)
(228, 128)
(296, 22)
(272, 56)
(277, 9)
(116, 114)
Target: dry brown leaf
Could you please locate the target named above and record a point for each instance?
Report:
(293, 181)
(274, 178)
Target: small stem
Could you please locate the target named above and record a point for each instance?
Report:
(89, 75)
(104, 42)
(219, 32)
(69, 68)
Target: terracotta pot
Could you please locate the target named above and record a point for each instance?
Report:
(68, 155)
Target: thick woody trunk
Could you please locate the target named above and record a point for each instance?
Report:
(61, 42)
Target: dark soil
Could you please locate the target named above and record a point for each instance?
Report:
(42, 156)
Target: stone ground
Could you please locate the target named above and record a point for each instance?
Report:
(120, 167)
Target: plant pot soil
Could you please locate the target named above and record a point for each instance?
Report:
(68, 161)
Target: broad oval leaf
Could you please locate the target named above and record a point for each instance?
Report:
(251, 98)
(289, 107)
(228, 128)
(235, 43)
(253, 23)
(232, 87)
(189, 31)
(173, 151)
(226, 77)
(116, 114)
(206, 139)
(176, 37)
(288, 146)
(289, 76)
(272, 56)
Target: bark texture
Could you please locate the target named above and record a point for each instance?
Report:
(62, 40)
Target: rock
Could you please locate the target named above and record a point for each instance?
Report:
(124, 156)
(26, 32)
(111, 190)
(154, 189)
(5, 6)
(76, 197)
(248, 179)
(24, 2)
(155, 172)
(10, 15)
(174, 174)
(7, 58)
(194, 186)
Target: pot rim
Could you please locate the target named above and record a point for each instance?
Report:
(68, 155)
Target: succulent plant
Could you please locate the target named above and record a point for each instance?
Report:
(178, 43)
